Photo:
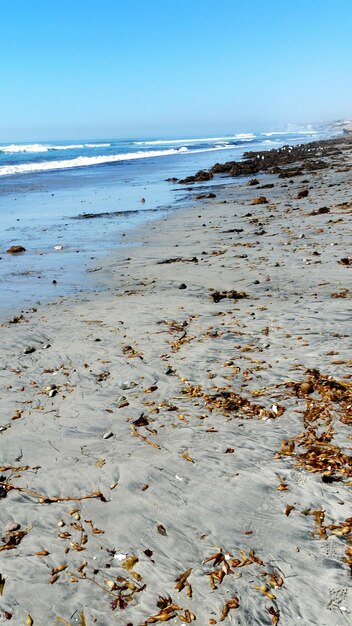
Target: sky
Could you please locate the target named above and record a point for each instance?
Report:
(133, 68)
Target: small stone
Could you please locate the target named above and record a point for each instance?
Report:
(29, 350)
(16, 250)
(61, 523)
(52, 393)
(182, 286)
(12, 526)
(47, 345)
(259, 200)
(50, 387)
(108, 435)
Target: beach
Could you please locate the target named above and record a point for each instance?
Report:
(175, 441)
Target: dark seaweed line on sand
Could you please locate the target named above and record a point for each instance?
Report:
(91, 216)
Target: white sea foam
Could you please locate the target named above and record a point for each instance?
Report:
(239, 136)
(84, 161)
(290, 132)
(35, 147)
(38, 147)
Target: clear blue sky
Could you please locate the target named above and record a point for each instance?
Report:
(117, 68)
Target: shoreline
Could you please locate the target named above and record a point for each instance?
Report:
(40, 213)
(166, 400)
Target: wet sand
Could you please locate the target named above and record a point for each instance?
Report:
(177, 446)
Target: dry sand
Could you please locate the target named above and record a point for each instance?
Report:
(214, 388)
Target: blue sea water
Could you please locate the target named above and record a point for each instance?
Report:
(46, 187)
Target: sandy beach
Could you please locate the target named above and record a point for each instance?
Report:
(176, 447)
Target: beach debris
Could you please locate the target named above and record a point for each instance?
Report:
(44, 499)
(16, 250)
(121, 402)
(314, 449)
(275, 615)
(216, 296)
(141, 421)
(17, 319)
(182, 582)
(29, 620)
(234, 603)
(227, 401)
(178, 259)
(288, 509)
(13, 538)
(259, 200)
(321, 211)
(29, 350)
(102, 376)
(344, 293)
(187, 457)
(136, 433)
(131, 352)
(129, 563)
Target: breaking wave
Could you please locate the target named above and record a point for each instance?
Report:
(83, 161)
(156, 142)
(38, 147)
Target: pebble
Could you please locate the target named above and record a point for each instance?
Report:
(61, 523)
(52, 393)
(182, 286)
(108, 435)
(11, 526)
(47, 345)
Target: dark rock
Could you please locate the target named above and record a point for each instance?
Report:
(29, 350)
(16, 250)
(200, 176)
(232, 295)
(203, 196)
(253, 181)
(182, 286)
(302, 194)
(259, 200)
(321, 211)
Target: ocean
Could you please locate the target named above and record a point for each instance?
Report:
(69, 203)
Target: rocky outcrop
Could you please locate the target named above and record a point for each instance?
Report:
(309, 157)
